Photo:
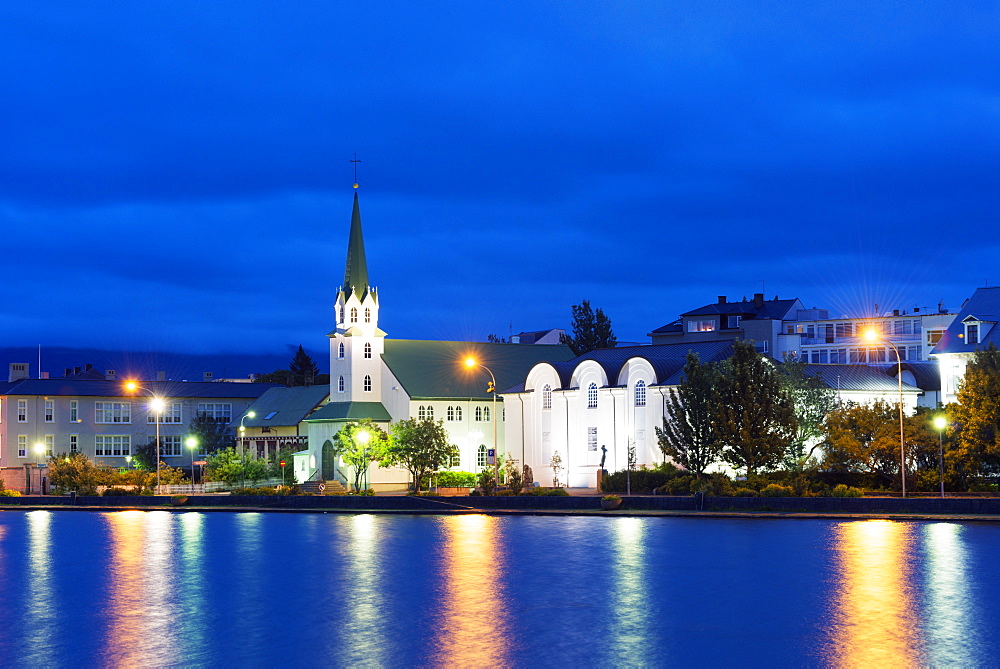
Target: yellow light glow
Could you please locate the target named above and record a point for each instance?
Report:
(940, 422)
(251, 414)
(39, 448)
(191, 442)
(157, 404)
(871, 335)
(362, 436)
(470, 362)
(131, 385)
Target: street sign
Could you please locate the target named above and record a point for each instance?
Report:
(282, 463)
(491, 456)
(200, 463)
(322, 487)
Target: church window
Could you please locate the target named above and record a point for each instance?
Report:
(368, 350)
(430, 412)
(368, 384)
(481, 456)
(340, 384)
(451, 412)
(458, 413)
(368, 315)
(340, 351)
(342, 313)
(479, 414)
(486, 414)
(640, 393)
(592, 396)
(354, 314)
(421, 412)
(456, 460)
(546, 396)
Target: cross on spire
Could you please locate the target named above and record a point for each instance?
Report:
(355, 161)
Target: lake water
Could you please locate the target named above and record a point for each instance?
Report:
(161, 588)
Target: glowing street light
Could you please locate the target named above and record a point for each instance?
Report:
(243, 430)
(156, 405)
(491, 388)
(39, 452)
(872, 335)
(362, 437)
(191, 443)
(940, 423)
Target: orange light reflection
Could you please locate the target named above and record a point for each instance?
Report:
(474, 621)
(875, 622)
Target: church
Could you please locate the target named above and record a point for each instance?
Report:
(386, 380)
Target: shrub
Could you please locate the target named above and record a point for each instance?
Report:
(776, 490)
(422, 493)
(9, 493)
(456, 480)
(119, 492)
(611, 498)
(745, 492)
(554, 492)
(842, 490)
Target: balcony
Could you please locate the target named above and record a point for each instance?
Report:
(266, 445)
(805, 340)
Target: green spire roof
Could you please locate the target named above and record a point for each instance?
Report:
(356, 274)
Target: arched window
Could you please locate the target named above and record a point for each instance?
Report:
(368, 315)
(340, 351)
(640, 393)
(430, 412)
(421, 412)
(340, 384)
(456, 460)
(479, 413)
(354, 314)
(592, 396)
(451, 412)
(458, 413)
(342, 313)
(368, 384)
(546, 396)
(486, 414)
(481, 456)
(368, 350)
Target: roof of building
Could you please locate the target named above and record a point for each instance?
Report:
(350, 411)
(356, 270)
(926, 373)
(756, 309)
(284, 407)
(430, 369)
(862, 378)
(984, 305)
(168, 389)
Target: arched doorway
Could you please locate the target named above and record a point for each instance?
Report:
(329, 461)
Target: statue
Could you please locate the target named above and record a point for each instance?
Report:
(604, 454)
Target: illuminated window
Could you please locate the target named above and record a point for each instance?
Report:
(22, 411)
(112, 412)
(368, 384)
(368, 315)
(50, 410)
(546, 396)
(222, 413)
(481, 456)
(640, 393)
(368, 350)
(22, 445)
(701, 326)
(50, 442)
(934, 336)
(354, 314)
(592, 396)
(171, 414)
(340, 384)
(170, 445)
(340, 351)
(115, 445)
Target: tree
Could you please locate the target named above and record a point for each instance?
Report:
(864, 438)
(230, 466)
(754, 421)
(812, 401)
(303, 367)
(688, 434)
(977, 415)
(212, 434)
(75, 471)
(496, 339)
(591, 330)
(360, 444)
(419, 446)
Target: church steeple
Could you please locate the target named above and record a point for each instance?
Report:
(356, 272)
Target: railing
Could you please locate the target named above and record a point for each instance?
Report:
(859, 341)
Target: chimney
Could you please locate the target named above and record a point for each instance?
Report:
(89, 366)
(67, 371)
(110, 375)
(895, 312)
(916, 310)
(76, 370)
(206, 376)
(722, 299)
(161, 376)
(758, 300)
(17, 371)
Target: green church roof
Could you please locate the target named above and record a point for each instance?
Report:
(356, 272)
(336, 412)
(436, 369)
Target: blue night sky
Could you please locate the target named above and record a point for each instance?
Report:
(176, 175)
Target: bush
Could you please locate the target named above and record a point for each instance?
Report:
(642, 480)
(422, 493)
(554, 492)
(9, 493)
(846, 491)
(611, 498)
(745, 492)
(456, 480)
(119, 492)
(775, 490)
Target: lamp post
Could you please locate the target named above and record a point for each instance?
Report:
(156, 404)
(491, 388)
(872, 335)
(39, 452)
(362, 438)
(940, 422)
(191, 443)
(243, 461)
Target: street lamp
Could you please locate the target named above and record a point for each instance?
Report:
(156, 405)
(872, 335)
(940, 422)
(191, 443)
(243, 460)
(362, 437)
(39, 452)
(491, 388)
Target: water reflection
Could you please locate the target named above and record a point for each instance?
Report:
(141, 626)
(875, 618)
(952, 638)
(192, 582)
(40, 614)
(630, 624)
(363, 623)
(473, 629)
